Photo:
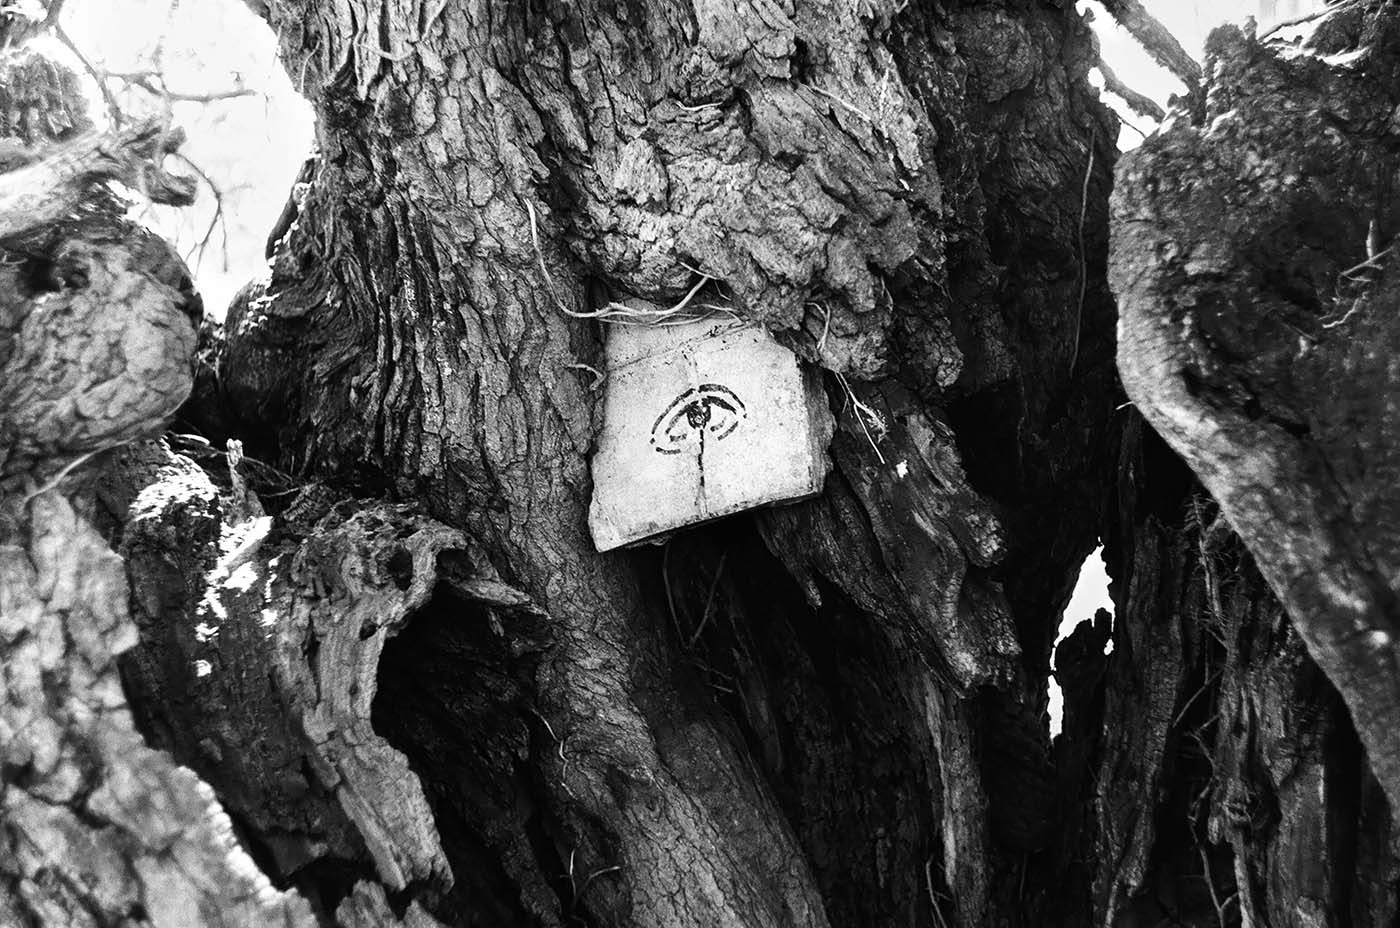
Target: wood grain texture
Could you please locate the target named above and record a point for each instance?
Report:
(291, 750)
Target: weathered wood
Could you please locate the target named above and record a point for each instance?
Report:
(96, 313)
(1230, 783)
(1156, 39)
(932, 532)
(97, 328)
(96, 332)
(368, 908)
(291, 750)
(830, 713)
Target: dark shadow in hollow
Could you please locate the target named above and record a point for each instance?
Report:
(455, 688)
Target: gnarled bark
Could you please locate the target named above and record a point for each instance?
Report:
(896, 193)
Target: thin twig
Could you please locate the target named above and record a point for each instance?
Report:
(1125, 123)
(709, 602)
(539, 253)
(154, 84)
(1083, 258)
(598, 376)
(850, 106)
(1205, 687)
(65, 471)
(1355, 305)
(564, 768)
(1353, 275)
(114, 110)
(593, 876)
(1210, 885)
(861, 412)
(620, 312)
(394, 57)
(215, 221)
(623, 310)
(1370, 264)
(826, 325)
(933, 896)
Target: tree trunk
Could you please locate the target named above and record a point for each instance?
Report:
(697, 741)
(384, 638)
(1240, 313)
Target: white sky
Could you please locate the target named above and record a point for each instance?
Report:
(251, 146)
(1090, 595)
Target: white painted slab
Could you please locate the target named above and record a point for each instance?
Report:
(702, 420)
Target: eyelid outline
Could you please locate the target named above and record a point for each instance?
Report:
(708, 393)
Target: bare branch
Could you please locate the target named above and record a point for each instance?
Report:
(1155, 39)
(114, 110)
(154, 83)
(1139, 103)
(1300, 20)
(218, 220)
(51, 14)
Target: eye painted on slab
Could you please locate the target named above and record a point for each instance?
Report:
(709, 412)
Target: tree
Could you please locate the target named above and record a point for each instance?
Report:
(374, 623)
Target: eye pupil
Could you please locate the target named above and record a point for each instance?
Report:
(697, 414)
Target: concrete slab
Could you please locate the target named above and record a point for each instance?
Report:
(701, 420)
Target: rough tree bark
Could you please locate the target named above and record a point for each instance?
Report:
(1253, 262)
(371, 618)
(1253, 258)
(682, 742)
